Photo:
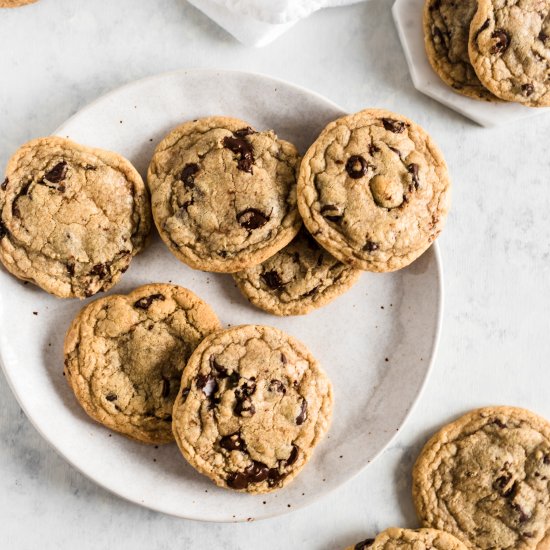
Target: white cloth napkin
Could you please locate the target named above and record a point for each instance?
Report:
(259, 22)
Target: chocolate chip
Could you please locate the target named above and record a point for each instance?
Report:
(237, 481)
(184, 394)
(356, 167)
(527, 89)
(70, 269)
(252, 218)
(312, 292)
(3, 230)
(277, 386)
(546, 459)
(4, 184)
(320, 259)
(233, 442)
(219, 370)
(395, 126)
(272, 280)
(257, 472)
(100, 270)
(111, 397)
(146, 301)
(503, 486)
(244, 406)
(482, 28)
(187, 204)
(284, 360)
(275, 476)
(301, 418)
(373, 149)
(543, 37)
(364, 544)
(187, 175)
(331, 213)
(413, 170)
(435, 6)
(243, 132)
(208, 384)
(502, 41)
(370, 246)
(292, 457)
(57, 173)
(499, 423)
(239, 146)
(167, 418)
(233, 379)
(165, 388)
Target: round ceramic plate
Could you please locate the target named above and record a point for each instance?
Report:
(376, 342)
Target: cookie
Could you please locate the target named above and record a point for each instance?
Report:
(253, 405)
(224, 195)
(446, 34)
(510, 49)
(298, 279)
(396, 538)
(15, 3)
(485, 479)
(374, 190)
(124, 356)
(71, 217)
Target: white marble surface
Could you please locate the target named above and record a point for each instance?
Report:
(59, 54)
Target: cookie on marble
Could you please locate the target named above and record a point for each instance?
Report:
(485, 479)
(396, 538)
(446, 34)
(298, 279)
(374, 190)
(253, 405)
(15, 3)
(124, 357)
(510, 49)
(223, 194)
(71, 217)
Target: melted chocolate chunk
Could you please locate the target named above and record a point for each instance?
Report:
(356, 167)
(243, 132)
(252, 218)
(239, 146)
(370, 246)
(413, 170)
(244, 406)
(187, 175)
(167, 418)
(70, 269)
(237, 481)
(219, 370)
(57, 173)
(257, 472)
(284, 360)
(277, 386)
(165, 388)
(395, 126)
(301, 418)
(527, 89)
(233, 442)
(146, 301)
(272, 280)
(234, 379)
(331, 213)
(363, 544)
(503, 486)
(498, 422)
(100, 270)
(292, 457)
(208, 385)
(111, 397)
(502, 41)
(543, 37)
(4, 184)
(546, 459)
(481, 29)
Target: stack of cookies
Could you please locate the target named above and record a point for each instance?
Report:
(492, 50)
(246, 405)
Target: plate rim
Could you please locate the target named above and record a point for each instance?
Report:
(297, 506)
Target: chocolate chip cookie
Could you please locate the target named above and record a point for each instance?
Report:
(446, 34)
(485, 478)
(374, 190)
(410, 539)
(510, 49)
(298, 279)
(71, 217)
(224, 195)
(15, 3)
(253, 405)
(124, 356)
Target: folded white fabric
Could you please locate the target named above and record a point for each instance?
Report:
(258, 22)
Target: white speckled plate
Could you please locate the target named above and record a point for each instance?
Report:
(408, 20)
(376, 342)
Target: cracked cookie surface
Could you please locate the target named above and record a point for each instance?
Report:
(124, 357)
(296, 280)
(71, 217)
(374, 190)
(485, 478)
(510, 49)
(253, 405)
(224, 195)
(446, 35)
(396, 538)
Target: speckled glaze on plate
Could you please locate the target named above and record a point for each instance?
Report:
(376, 342)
